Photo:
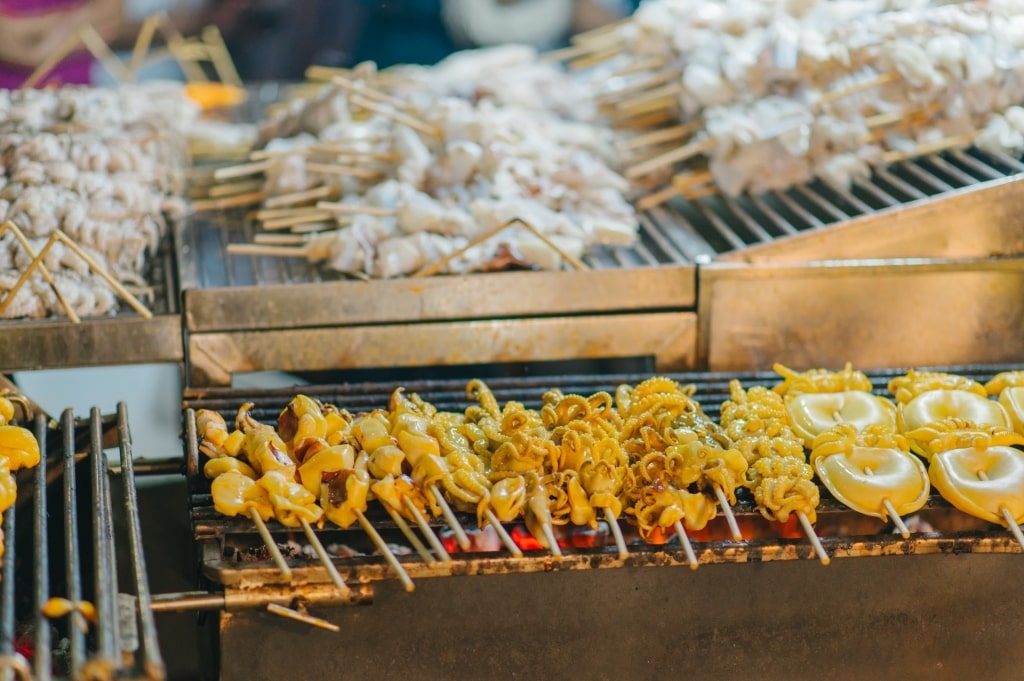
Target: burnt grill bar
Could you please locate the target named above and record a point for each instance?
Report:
(955, 533)
(75, 465)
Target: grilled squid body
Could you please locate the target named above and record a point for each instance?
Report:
(865, 477)
(814, 413)
(982, 481)
(1009, 386)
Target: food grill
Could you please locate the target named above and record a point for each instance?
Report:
(62, 539)
(941, 596)
(949, 213)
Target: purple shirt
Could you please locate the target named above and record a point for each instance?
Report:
(74, 70)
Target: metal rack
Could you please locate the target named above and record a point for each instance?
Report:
(763, 603)
(250, 313)
(73, 534)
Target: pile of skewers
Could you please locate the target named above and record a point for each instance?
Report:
(385, 175)
(18, 449)
(648, 454)
(773, 93)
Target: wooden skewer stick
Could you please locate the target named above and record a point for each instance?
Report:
(103, 274)
(1011, 524)
(142, 43)
(322, 554)
(240, 170)
(601, 32)
(640, 85)
(314, 227)
(577, 264)
(640, 66)
(730, 518)
(268, 541)
(815, 542)
(99, 49)
(935, 147)
(305, 618)
(854, 88)
(274, 213)
(613, 525)
(43, 270)
(286, 222)
(449, 516)
(659, 197)
(176, 44)
(361, 89)
(51, 61)
(410, 536)
(684, 181)
(234, 188)
(595, 58)
(397, 116)
(424, 526)
(382, 546)
(549, 537)
(354, 209)
(294, 198)
(347, 171)
(891, 511)
(642, 103)
(691, 557)
(276, 251)
(279, 239)
(221, 58)
(13, 292)
(224, 202)
(503, 535)
(676, 132)
(325, 73)
(647, 120)
(683, 153)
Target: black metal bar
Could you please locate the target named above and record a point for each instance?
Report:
(42, 559)
(106, 607)
(152, 661)
(7, 588)
(72, 556)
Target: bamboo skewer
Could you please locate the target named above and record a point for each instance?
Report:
(410, 536)
(683, 153)
(223, 203)
(1011, 524)
(601, 33)
(815, 542)
(268, 541)
(891, 511)
(234, 189)
(325, 73)
(273, 213)
(240, 170)
(347, 171)
(220, 57)
(325, 559)
(13, 292)
(305, 618)
(424, 526)
(549, 537)
(640, 66)
(175, 43)
(944, 144)
(142, 43)
(353, 209)
(102, 273)
(659, 197)
(315, 227)
(397, 116)
(43, 270)
(568, 257)
(691, 557)
(503, 535)
(293, 220)
(99, 49)
(360, 89)
(612, 96)
(652, 100)
(275, 251)
(613, 525)
(856, 87)
(294, 198)
(449, 516)
(383, 548)
(676, 132)
(730, 518)
(279, 239)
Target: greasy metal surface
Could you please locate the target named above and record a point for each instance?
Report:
(65, 548)
(502, 294)
(844, 533)
(974, 222)
(669, 337)
(123, 338)
(872, 313)
(937, 616)
(963, 204)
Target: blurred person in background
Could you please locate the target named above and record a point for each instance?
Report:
(31, 30)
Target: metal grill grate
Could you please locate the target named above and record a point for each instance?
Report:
(843, 532)
(680, 232)
(74, 483)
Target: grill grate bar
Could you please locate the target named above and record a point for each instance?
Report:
(926, 178)
(800, 211)
(153, 663)
(822, 203)
(983, 170)
(103, 562)
(72, 545)
(748, 221)
(912, 192)
(949, 169)
(42, 558)
(777, 221)
(872, 189)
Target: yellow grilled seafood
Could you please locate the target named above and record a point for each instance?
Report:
(1009, 388)
(865, 469)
